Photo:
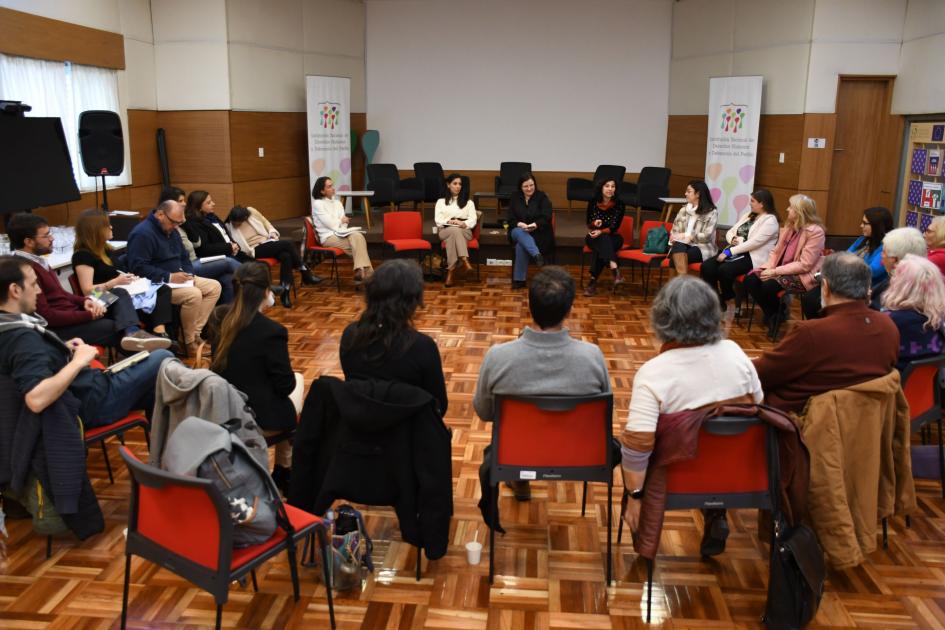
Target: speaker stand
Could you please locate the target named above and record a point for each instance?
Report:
(104, 195)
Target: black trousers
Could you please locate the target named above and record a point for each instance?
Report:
(694, 253)
(721, 275)
(605, 248)
(810, 303)
(764, 292)
(163, 313)
(98, 332)
(285, 253)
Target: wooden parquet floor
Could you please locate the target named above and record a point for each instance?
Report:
(550, 565)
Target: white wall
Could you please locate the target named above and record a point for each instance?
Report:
(561, 84)
(801, 47)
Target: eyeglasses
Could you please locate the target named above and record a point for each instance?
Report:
(47, 235)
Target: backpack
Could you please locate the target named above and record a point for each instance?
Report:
(657, 240)
(210, 451)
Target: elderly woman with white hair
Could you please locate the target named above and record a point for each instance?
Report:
(686, 319)
(915, 300)
(896, 245)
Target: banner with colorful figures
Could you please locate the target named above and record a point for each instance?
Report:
(329, 138)
(732, 143)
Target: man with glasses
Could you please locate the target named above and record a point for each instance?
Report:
(155, 251)
(70, 315)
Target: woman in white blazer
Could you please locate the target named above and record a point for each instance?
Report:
(331, 225)
(750, 242)
(455, 217)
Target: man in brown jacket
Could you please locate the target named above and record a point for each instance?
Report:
(851, 344)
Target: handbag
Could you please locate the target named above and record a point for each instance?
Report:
(657, 241)
(791, 283)
(796, 578)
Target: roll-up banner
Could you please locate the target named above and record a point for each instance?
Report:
(329, 137)
(732, 143)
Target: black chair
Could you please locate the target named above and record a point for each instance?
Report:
(434, 180)
(389, 189)
(580, 189)
(507, 181)
(645, 194)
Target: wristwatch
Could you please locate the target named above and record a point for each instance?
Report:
(637, 494)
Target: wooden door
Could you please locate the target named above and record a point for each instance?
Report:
(863, 170)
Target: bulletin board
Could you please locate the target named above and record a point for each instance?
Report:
(923, 175)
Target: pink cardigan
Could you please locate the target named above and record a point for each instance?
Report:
(808, 257)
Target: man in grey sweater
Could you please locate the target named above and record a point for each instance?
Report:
(545, 361)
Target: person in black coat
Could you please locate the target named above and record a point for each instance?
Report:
(207, 232)
(604, 216)
(531, 223)
(251, 352)
(383, 343)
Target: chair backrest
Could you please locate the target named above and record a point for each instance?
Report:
(649, 225)
(311, 234)
(735, 466)
(920, 386)
(553, 437)
(509, 172)
(655, 176)
(431, 173)
(653, 184)
(382, 171)
(610, 171)
(178, 522)
(626, 230)
(402, 225)
(74, 283)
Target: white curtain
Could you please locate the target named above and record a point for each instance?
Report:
(63, 90)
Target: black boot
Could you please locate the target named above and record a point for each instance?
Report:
(281, 476)
(715, 533)
(286, 292)
(308, 277)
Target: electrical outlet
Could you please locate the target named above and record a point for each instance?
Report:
(262, 152)
(781, 158)
(498, 262)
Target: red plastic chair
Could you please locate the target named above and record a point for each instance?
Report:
(403, 232)
(625, 230)
(472, 245)
(313, 245)
(645, 261)
(100, 434)
(576, 445)
(273, 262)
(920, 386)
(183, 524)
(736, 467)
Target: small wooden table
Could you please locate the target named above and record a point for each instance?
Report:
(669, 204)
(365, 201)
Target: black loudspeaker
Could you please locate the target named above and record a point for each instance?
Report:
(101, 143)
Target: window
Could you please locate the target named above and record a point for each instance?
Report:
(64, 90)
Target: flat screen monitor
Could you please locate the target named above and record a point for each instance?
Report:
(35, 167)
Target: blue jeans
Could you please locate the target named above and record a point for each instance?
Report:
(525, 248)
(132, 388)
(222, 271)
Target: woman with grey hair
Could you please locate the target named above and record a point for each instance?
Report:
(687, 320)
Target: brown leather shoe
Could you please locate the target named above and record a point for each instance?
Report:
(465, 262)
(450, 280)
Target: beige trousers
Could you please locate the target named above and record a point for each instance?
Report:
(354, 245)
(455, 238)
(284, 448)
(196, 304)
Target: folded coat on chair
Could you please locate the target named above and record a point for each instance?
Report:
(377, 443)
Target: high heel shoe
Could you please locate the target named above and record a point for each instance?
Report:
(465, 262)
(285, 297)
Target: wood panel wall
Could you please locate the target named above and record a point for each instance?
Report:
(29, 35)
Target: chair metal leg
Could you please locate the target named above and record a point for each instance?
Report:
(147, 436)
(649, 588)
(108, 464)
(252, 574)
(219, 616)
(623, 508)
(584, 500)
(908, 521)
(419, 551)
(494, 509)
(751, 312)
(48, 547)
(124, 592)
(610, 531)
(885, 534)
(582, 277)
(323, 543)
(941, 457)
(293, 571)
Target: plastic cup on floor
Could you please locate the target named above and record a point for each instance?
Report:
(473, 552)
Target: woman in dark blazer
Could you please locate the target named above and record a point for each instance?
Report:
(251, 351)
(531, 226)
(604, 216)
(207, 232)
(383, 344)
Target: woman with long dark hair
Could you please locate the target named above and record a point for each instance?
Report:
(251, 351)
(209, 239)
(749, 241)
(531, 223)
(383, 343)
(331, 225)
(604, 216)
(692, 238)
(455, 218)
(256, 237)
